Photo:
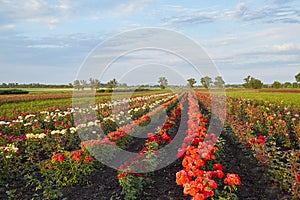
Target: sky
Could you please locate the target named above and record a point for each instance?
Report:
(52, 41)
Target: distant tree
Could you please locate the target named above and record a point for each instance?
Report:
(76, 84)
(252, 83)
(219, 82)
(297, 77)
(191, 82)
(123, 85)
(83, 84)
(276, 84)
(112, 83)
(295, 85)
(256, 84)
(163, 82)
(287, 85)
(4, 85)
(94, 83)
(206, 81)
(247, 80)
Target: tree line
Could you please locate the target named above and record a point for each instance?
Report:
(206, 82)
(249, 82)
(34, 85)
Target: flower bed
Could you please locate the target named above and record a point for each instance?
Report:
(201, 174)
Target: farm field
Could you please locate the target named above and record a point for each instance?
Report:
(50, 150)
(285, 97)
(36, 102)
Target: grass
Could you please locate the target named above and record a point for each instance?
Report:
(279, 97)
(47, 90)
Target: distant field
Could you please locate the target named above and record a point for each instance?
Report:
(42, 98)
(287, 98)
(46, 90)
(39, 101)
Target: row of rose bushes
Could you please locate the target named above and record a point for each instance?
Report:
(43, 149)
(202, 177)
(271, 133)
(135, 171)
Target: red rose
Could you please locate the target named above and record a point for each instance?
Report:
(87, 159)
(218, 166)
(166, 138)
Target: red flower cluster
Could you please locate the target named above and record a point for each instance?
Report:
(232, 179)
(197, 149)
(87, 159)
(75, 155)
(58, 157)
(260, 140)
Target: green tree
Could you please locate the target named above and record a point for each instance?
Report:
(206, 81)
(191, 82)
(76, 84)
(94, 83)
(112, 83)
(297, 77)
(295, 85)
(83, 84)
(247, 80)
(276, 84)
(252, 83)
(163, 82)
(256, 84)
(219, 82)
(287, 85)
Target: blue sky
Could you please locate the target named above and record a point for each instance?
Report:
(48, 41)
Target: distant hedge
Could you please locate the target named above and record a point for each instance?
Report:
(123, 90)
(13, 91)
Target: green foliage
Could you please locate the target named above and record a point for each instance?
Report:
(94, 83)
(276, 84)
(62, 170)
(163, 82)
(13, 91)
(219, 82)
(132, 185)
(287, 85)
(297, 77)
(252, 83)
(287, 99)
(108, 126)
(191, 82)
(112, 83)
(206, 81)
(76, 84)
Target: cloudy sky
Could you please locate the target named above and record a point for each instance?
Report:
(49, 41)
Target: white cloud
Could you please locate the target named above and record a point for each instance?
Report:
(265, 14)
(286, 47)
(7, 27)
(126, 8)
(50, 13)
(192, 18)
(45, 46)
